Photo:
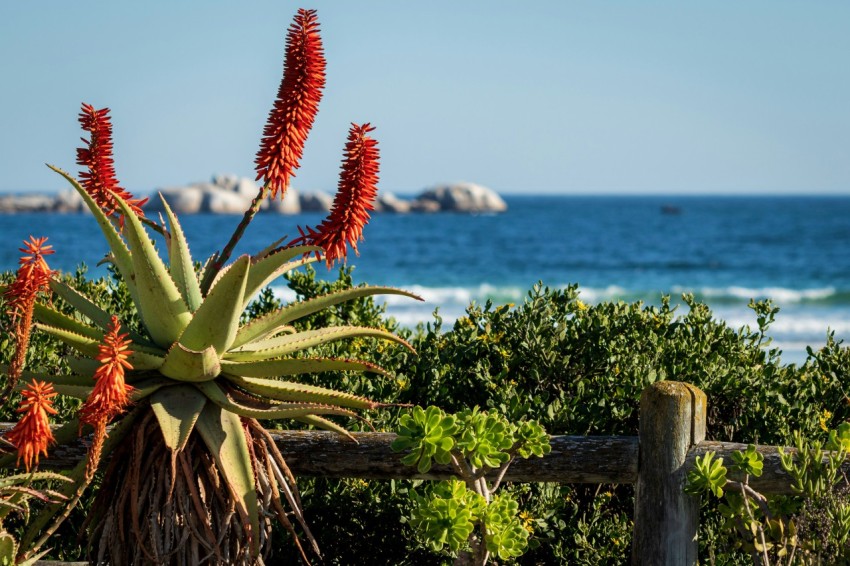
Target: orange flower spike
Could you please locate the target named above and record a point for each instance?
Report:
(355, 197)
(111, 394)
(294, 111)
(32, 434)
(32, 277)
(99, 181)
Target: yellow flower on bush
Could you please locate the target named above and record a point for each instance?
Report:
(825, 416)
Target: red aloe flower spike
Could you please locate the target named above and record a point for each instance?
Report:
(99, 181)
(32, 434)
(358, 186)
(111, 394)
(294, 111)
(32, 277)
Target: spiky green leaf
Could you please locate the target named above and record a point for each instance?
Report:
(291, 343)
(89, 347)
(177, 408)
(224, 436)
(325, 424)
(268, 411)
(296, 366)
(120, 253)
(269, 267)
(299, 392)
(184, 364)
(90, 310)
(162, 308)
(83, 344)
(217, 319)
(181, 266)
(261, 327)
(52, 317)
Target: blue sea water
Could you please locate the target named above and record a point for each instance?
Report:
(726, 250)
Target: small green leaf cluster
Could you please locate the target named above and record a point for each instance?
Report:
(474, 441)
(485, 438)
(448, 515)
(429, 436)
(506, 536)
(708, 475)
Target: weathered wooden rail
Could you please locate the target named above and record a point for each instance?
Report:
(671, 437)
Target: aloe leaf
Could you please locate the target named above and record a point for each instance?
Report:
(260, 327)
(177, 408)
(82, 303)
(325, 424)
(181, 265)
(83, 344)
(75, 391)
(55, 318)
(291, 343)
(34, 559)
(144, 361)
(27, 375)
(89, 347)
(82, 366)
(277, 411)
(31, 477)
(184, 364)
(160, 305)
(90, 310)
(120, 253)
(224, 436)
(299, 392)
(217, 319)
(296, 366)
(269, 267)
(267, 250)
(8, 548)
(147, 387)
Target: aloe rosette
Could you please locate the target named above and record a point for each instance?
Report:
(195, 364)
(193, 475)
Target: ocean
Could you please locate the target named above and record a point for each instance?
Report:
(725, 250)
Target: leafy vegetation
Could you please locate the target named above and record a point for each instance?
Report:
(465, 512)
(573, 367)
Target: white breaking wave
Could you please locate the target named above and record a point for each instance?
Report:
(796, 326)
(778, 294)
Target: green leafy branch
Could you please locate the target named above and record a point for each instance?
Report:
(807, 528)
(466, 513)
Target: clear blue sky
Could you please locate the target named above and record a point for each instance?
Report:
(524, 97)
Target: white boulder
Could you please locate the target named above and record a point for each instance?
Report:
(463, 197)
(317, 201)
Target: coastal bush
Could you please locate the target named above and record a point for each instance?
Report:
(574, 367)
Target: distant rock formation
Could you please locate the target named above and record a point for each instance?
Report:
(224, 194)
(462, 197)
(388, 202)
(66, 201)
(229, 194)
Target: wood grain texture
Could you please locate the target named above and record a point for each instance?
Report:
(574, 459)
(672, 421)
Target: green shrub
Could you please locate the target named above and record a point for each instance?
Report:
(575, 368)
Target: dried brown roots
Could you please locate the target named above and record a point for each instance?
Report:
(159, 507)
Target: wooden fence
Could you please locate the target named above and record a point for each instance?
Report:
(671, 436)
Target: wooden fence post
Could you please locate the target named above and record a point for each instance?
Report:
(672, 420)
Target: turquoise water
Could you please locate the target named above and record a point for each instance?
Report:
(726, 250)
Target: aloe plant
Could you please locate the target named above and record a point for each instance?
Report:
(196, 367)
(194, 477)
